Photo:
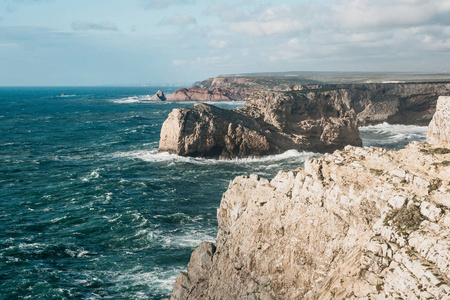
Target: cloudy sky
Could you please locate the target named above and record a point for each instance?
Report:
(97, 42)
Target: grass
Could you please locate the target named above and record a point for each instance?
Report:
(376, 172)
(405, 219)
(435, 151)
(434, 185)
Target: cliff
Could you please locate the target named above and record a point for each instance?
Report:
(375, 102)
(363, 223)
(269, 123)
(439, 128)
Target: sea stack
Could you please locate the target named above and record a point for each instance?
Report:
(363, 223)
(270, 123)
(159, 96)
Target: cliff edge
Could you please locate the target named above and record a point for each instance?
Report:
(270, 123)
(363, 223)
(439, 128)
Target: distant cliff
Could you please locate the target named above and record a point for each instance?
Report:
(397, 103)
(364, 223)
(272, 122)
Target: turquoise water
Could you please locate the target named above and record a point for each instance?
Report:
(90, 210)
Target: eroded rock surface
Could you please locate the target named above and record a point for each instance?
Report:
(395, 103)
(269, 123)
(439, 128)
(365, 223)
(197, 94)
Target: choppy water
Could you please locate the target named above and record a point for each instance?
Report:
(90, 210)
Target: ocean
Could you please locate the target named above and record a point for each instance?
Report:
(90, 210)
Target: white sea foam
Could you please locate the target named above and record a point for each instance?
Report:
(160, 280)
(387, 134)
(94, 175)
(154, 156)
(137, 99)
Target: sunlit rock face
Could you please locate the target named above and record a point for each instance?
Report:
(270, 123)
(439, 128)
(362, 223)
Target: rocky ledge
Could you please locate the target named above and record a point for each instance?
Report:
(269, 123)
(363, 223)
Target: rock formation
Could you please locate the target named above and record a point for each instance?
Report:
(439, 128)
(159, 96)
(194, 94)
(364, 223)
(208, 131)
(269, 123)
(395, 103)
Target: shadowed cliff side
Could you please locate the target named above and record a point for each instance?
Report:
(364, 223)
(270, 123)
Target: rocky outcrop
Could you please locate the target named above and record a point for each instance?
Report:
(364, 223)
(159, 96)
(269, 123)
(395, 103)
(377, 102)
(208, 131)
(195, 94)
(439, 128)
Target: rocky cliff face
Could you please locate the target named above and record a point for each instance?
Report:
(395, 103)
(196, 94)
(439, 128)
(269, 123)
(364, 223)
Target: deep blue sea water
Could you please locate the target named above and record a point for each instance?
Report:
(90, 210)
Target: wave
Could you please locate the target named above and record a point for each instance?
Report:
(154, 156)
(388, 134)
(137, 99)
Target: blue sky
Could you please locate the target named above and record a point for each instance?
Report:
(97, 42)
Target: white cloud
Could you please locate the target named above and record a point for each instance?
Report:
(218, 44)
(179, 62)
(183, 19)
(204, 61)
(81, 25)
(159, 4)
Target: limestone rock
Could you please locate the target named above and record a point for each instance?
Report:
(198, 94)
(329, 231)
(159, 96)
(395, 103)
(269, 123)
(439, 128)
(208, 131)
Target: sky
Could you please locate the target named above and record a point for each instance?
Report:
(127, 42)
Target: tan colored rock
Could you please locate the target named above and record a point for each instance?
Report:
(330, 230)
(198, 94)
(439, 128)
(270, 123)
(206, 130)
